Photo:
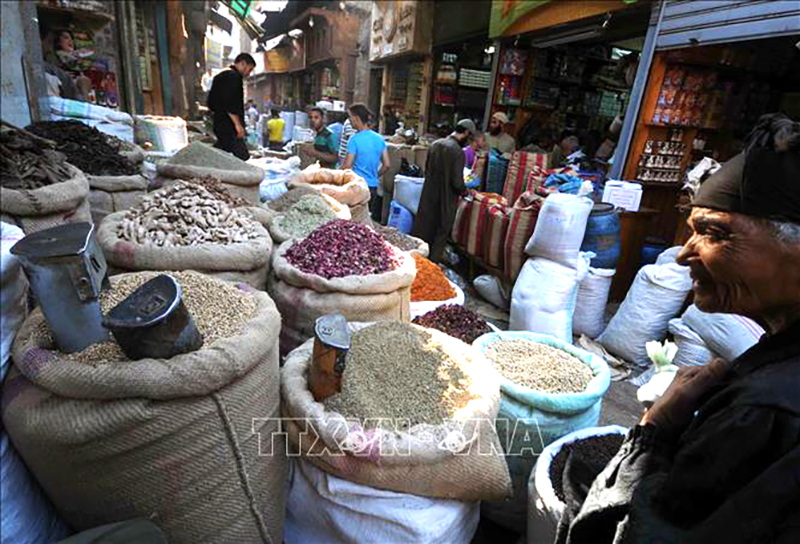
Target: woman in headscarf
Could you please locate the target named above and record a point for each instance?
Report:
(717, 458)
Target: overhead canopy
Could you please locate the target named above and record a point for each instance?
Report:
(513, 18)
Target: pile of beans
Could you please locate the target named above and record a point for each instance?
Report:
(430, 283)
(28, 163)
(456, 321)
(539, 366)
(289, 199)
(184, 214)
(397, 238)
(85, 147)
(401, 372)
(342, 248)
(593, 452)
(219, 309)
(309, 213)
(219, 191)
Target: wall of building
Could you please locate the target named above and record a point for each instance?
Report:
(361, 89)
(13, 94)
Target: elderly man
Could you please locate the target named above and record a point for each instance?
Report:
(717, 458)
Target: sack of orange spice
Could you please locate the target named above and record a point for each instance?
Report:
(431, 288)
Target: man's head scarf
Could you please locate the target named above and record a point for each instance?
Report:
(764, 180)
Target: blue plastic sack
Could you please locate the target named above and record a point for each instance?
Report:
(533, 419)
(400, 218)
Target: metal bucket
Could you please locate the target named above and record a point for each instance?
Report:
(153, 322)
(67, 271)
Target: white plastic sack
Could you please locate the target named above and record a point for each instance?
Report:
(423, 307)
(590, 307)
(324, 508)
(560, 229)
(288, 127)
(656, 296)
(492, 290)
(728, 335)
(300, 119)
(13, 292)
(544, 507)
(668, 256)
(75, 109)
(692, 351)
(408, 191)
(544, 296)
(270, 190)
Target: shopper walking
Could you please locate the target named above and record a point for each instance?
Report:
(444, 182)
(275, 127)
(367, 156)
(226, 101)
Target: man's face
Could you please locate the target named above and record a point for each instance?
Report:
(495, 127)
(736, 265)
(243, 68)
(316, 120)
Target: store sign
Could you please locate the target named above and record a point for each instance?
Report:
(507, 12)
(213, 54)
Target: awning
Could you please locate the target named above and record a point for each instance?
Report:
(276, 42)
(222, 23)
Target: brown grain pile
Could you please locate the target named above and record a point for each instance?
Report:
(404, 373)
(539, 366)
(218, 190)
(219, 309)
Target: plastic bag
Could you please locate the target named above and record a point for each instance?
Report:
(400, 218)
(492, 290)
(590, 307)
(728, 335)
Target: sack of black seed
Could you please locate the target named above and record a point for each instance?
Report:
(594, 447)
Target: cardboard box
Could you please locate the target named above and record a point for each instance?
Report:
(623, 194)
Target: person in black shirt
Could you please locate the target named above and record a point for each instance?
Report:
(717, 457)
(226, 101)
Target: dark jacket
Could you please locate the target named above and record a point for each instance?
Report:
(732, 476)
(226, 96)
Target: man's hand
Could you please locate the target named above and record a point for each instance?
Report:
(673, 412)
(240, 133)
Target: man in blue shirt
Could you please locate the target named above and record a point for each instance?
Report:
(367, 156)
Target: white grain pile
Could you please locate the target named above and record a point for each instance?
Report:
(539, 366)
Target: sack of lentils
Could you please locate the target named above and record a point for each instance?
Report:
(431, 288)
(198, 159)
(184, 227)
(115, 182)
(413, 416)
(307, 214)
(38, 188)
(180, 440)
(594, 446)
(549, 388)
(402, 240)
(344, 267)
(345, 186)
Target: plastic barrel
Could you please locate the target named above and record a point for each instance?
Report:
(652, 248)
(602, 236)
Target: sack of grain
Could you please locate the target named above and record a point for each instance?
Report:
(167, 134)
(544, 507)
(49, 206)
(402, 240)
(198, 159)
(729, 335)
(345, 186)
(302, 297)
(692, 351)
(561, 397)
(519, 170)
(129, 245)
(321, 505)
(498, 217)
(305, 216)
(560, 228)
(521, 223)
(456, 458)
(109, 194)
(544, 297)
(656, 296)
(180, 441)
(478, 221)
(590, 306)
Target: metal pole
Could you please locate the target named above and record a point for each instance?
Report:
(487, 112)
(637, 93)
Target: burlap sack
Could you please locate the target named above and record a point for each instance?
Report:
(239, 183)
(478, 221)
(345, 186)
(50, 206)
(246, 262)
(460, 460)
(109, 194)
(183, 442)
(521, 223)
(302, 298)
(280, 235)
(135, 155)
(494, 242)
(519, 170)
